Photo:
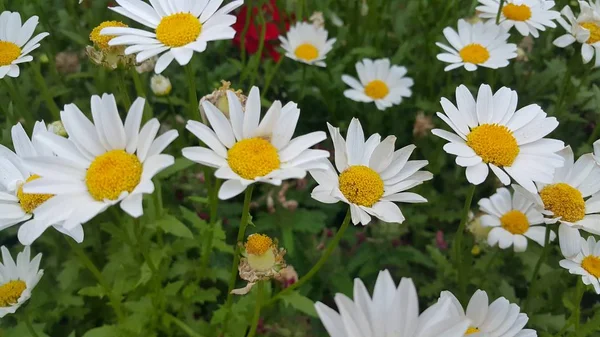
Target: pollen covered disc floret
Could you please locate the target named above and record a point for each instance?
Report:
(474, 53)
(515, 222)
(379, 82)
(306, 52)
(10, 292)
(253, 157)
(489, 133)
(372, 175)
(113, 173)
(30, 201)
(101, 41)
(178, 29)
(9, 52)
(564, 201)
(516, 12)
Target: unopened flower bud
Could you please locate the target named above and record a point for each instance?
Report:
(160, 85)
(219, 99)
(57, 128)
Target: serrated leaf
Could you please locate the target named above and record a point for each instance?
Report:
(301, 303)
(172, 225)
(94, 291)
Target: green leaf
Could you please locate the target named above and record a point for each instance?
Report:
(94, 291)
(301, 303)
(179, 165)
(103, 331)
(172, 225)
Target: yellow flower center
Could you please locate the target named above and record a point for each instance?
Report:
(471, 330)
(515, 222)
(30, 201)
(179, 29)
(253, 157)
(474, 53)
(361, 185)
(258, 244)
(101, 41)
(594, 29)
(10, 292)
(564, 201)
(113, 173)
(8, 53)
(377, 89)
(516, 12)
(591, 264)
(306, 52)
(494, 143)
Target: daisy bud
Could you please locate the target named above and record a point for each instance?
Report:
(58, 128)
(219, 99)
(317, 19)
(480, 232)
(160, 85)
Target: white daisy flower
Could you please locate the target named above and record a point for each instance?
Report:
(527, 16)
(499, 319)
(478, 44)
(245, 151)
(16, 42)
(372, 176)
(307, 43)
(584, 29)
(378, 82)
(513, 218)
(17, 279)
(566, 199)
(597, 151)
(586, 263)
(490, 134)
(392, 311)
(101, 164)
(179, 28)
(17, 207)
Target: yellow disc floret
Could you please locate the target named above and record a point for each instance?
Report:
(113, 173)
(594, 29)
(258, 244)
(8, 53)
(494, 143)
(471, 330)
(591, 264)
(474, 53)
(377, 89)
(361, 185)
(564, 201)
(179, 29)
(306, 52)
(30, 201)
(515, 222)
(101, 41)
(253, 157)
(11, 292)
(516, 12)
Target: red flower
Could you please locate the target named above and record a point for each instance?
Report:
(276, 24)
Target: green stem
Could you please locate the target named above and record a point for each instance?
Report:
(141, 92)
(39, 78)
(184, 327)
(193, 97)
(537, 267)
(29, 324)
(458, 245)
(499, 11)
(257, 307)
(580, 290)
(213, 188)
(123, 88)
(171, 107)
(87, 262)
(303, 84)
(236, 255)
(261, 44)
(563, 92)
(313, 271)
(19, 105)
(270, 77)
(245, 30)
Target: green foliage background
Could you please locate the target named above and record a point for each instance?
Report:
(68, 300)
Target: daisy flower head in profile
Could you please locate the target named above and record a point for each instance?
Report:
(372, 175)
(498, 319)
(513, 218)
(17, 279)
(16, 206)
(586, 263)
(571, 198)
(307, 43)
(391, 311)
(527, 16)
(246, 150)
(380, 82)
(584, 29)
(103, 163)
(480, 44)
(489, 133)
(16, 42)
(178, 28)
